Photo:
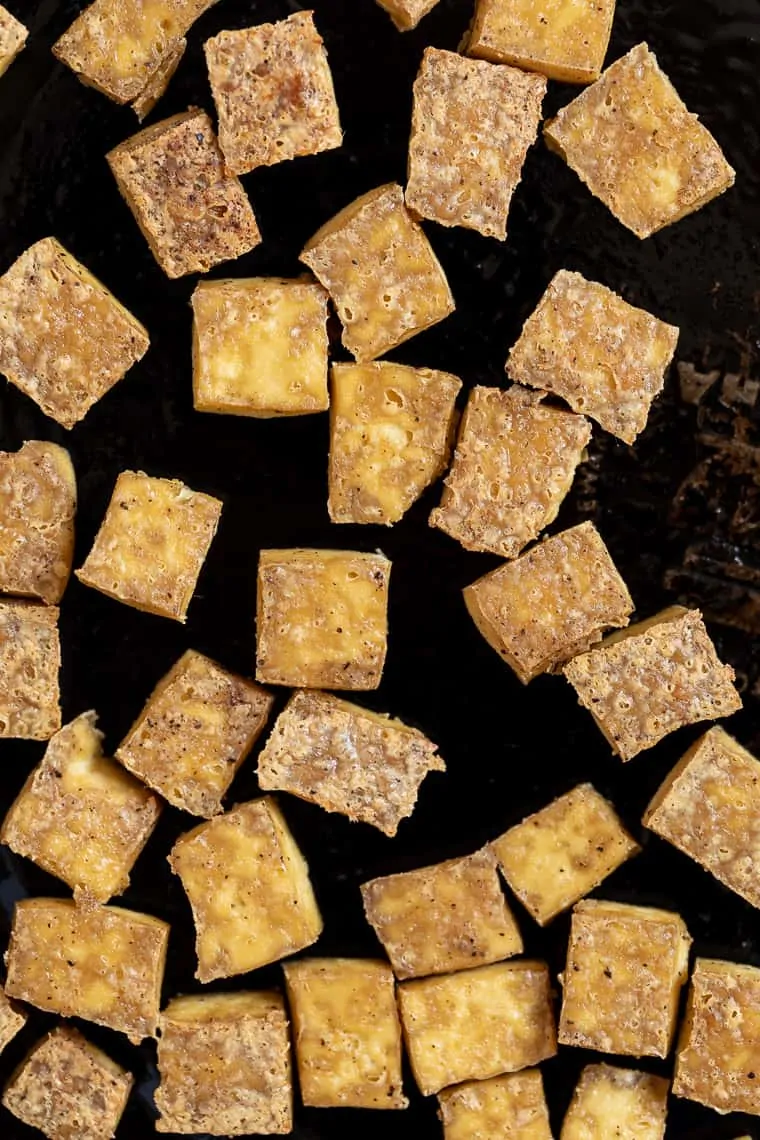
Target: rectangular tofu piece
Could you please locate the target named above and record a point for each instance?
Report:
(224, 1065)
(13, 37)
(322, 618)
(562, 852)
(104, 965)
(406, 14)
(610, 1101)
(623, 977)
(391, 433)
(64, 338)
(249, 888)
(346, 1033)
(512, 1107)
(347, 759)
(602, 356)
(654, 677)
(472, 124)
(12, 1020)
(497, 497)
(30, 660)
(152, 544)
(630, 138)
(378, 266)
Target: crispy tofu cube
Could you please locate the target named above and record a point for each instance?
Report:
(514, 463)
(160, 79)
(512, 1106)
(630, 138)
(472, 124)
(477, 1023)
(64, 338)
(347, 759)
(152, 544)
(381, 272)
(12, 1020)
(604, 357)
(322, 618)
(198, 726)
(406, 14)
(192, 214)
(625, 968)
(260, 347)
(653, 678)
(249, 889)
(104, 964)
(224, 1065)
(13, 37)
(609, 1101)
(30, 658)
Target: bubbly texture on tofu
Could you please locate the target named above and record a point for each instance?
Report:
(511, 1107)
(12, 1020)
(630, 138)
(610, 1101)
(30, 659)
(13, 37)
(406, 14)
(160, 79)
(381, 272)
(346, 1033)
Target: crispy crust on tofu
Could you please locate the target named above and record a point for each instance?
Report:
(509, 1106)
(610, 1101)
(12, 1020)
(160, 80)
(30, 659)
(13, 37)
(406, 14)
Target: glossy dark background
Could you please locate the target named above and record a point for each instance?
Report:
(509, 750)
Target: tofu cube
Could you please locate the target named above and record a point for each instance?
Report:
(249, 888)
(346, 1033)
(512, 1106)
(347, 759)
(391, 432)
(381, 272)
(224, 1065)
(13, 37)
(604, 357)
(477, 1023)
(12, 1020)
(160, 79)
(625, 968)
(654, 677)
(472, 124)
(30, 658)
(322, 618)
(514, 463)
(64, 338)
(191, 212)
(630, 138)
(610, 1101)
(152, 544)
(104, 964)
(198, 726)
(406, 14)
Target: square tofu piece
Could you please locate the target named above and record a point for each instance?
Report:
(623, 977)
(196, 730)
(13, 36)
(260, 347)
(604, 357)
(444, 918)
(104, 965)
(653, 678)
(472, 124)
(477, 1023)
(12, 1020)
(551, 603)
(249, 888)
(512, 1107)
(322, 618)
(380, 270)
(224, 1065)
(30, 658)
(64, 338)
(152, 544)
(406, 14)
(561, 853)
(514, 463)
(347, 759)
(609, 1101)
(632, 141)
(273, 92)
(191, 212)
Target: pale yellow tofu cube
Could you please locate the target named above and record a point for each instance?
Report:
(512, 1107)
(13, 37)
(30, 659)
(406, 14)
(609, 1101)
(12, 1020)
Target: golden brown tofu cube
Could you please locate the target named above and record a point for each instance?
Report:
(152, 544)
(198, 726)
(64, 338)
(514, 463)
(347, 759)
(192, 214)
(609, 1101)
(406, 14)
(477, 1023)
(512, 1107)
(12, 1020)
(630, 138)
(260, 347)
(623, 977)
(249, 888)
(274, 93)
(472, 124)
(30, 658)
(160, 79)
(322, 618)
(381, 272)
(13, 37)
(224, 1065)
(346, 1033)
(104, 964)
(604, 357)
(653, 678)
